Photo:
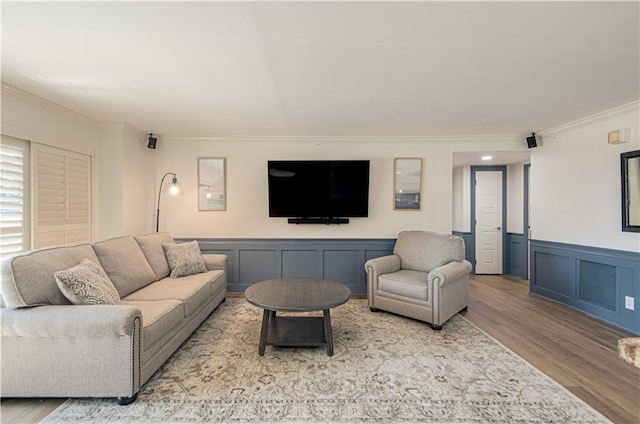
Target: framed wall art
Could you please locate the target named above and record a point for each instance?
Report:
(211, 184)
(407, 184)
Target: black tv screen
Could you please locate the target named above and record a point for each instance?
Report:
(318, 188)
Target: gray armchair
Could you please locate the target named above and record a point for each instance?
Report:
(426, 278)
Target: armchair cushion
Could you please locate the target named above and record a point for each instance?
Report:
(426, 250)
(407, 283)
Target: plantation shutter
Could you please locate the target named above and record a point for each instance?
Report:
(62, 196)
(14, 196)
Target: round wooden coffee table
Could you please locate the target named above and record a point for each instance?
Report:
(296, 295)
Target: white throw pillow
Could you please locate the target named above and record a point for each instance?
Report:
(184, 258)
(87, 284)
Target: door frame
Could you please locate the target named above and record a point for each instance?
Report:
(525, 220)
(479, 168)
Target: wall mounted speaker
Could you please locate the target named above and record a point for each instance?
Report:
(151, 144)
(532, 141)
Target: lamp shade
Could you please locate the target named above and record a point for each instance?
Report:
(174, 188)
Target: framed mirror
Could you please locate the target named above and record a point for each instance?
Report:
(407, 183)
(211, 184)
(630, 167)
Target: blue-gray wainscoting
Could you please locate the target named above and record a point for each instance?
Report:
(592, 280)
(254, 260)
(515, 253)
(469, 248)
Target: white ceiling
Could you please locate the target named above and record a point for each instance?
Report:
(497, 158)
(216, 69)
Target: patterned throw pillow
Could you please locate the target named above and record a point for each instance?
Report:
(184, 258)
(87, 284)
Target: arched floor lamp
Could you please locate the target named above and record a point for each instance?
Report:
(173, 189)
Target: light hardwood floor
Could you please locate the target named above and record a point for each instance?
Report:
(577, 351)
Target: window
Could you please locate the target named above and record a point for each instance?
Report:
(14, 196)
(60, 212)
(62, 196)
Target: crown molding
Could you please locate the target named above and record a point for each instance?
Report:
(31, 99)
(338, 139)
(45, 138)
(609, 113)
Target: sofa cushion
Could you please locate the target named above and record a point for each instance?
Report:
(151, 246)
(159, 318)
(87, 284)
(426, 250)
(184, 258)
(124, 263)
(28, 280)
(194, 290)
(407, 283)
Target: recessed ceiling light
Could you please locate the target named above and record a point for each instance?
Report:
(487, 157)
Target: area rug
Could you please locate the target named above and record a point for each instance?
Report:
(385, 368)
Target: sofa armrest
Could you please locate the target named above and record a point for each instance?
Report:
(215, 261)
(382, 265)
(71, 351)
(449, 273)
(59, 321)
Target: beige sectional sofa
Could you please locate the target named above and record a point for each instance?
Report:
(53, 348)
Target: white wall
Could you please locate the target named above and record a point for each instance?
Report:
(32, 118)
(247, 203)
(138, 171)
(126, 192)
(575, 182)
(111, 174)
(462, 199)
(515, 198)
(575, 178)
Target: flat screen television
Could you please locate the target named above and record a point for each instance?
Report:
(318, 188)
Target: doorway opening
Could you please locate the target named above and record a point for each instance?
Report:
(489, 218)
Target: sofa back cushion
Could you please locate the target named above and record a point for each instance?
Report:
(151, 246)
(426, 250)
(28, 279)
(124, 263)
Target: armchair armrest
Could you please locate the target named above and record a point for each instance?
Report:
(376, 267)
(215, 261)
(382, 265)
(449, 273)
(60, 321)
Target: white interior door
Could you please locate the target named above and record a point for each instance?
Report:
(489, 222)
